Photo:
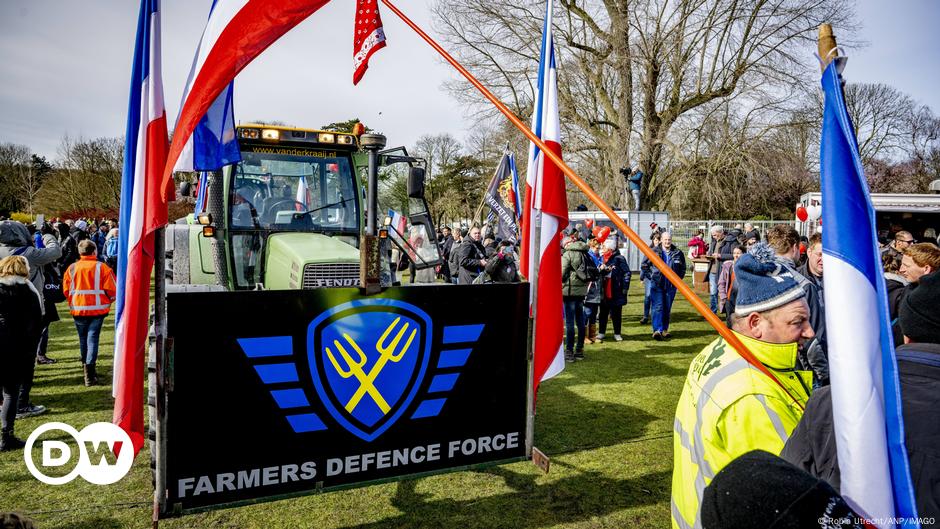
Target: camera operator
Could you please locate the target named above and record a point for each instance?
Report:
(634, 178)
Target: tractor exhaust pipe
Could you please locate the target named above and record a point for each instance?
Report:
(216, 209)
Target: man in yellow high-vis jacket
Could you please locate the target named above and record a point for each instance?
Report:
(727, 407)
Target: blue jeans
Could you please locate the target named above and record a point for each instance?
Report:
(662, 306)
(574, 315)
(590, 313)
(89, 327)
(646, 298)
(713, 289)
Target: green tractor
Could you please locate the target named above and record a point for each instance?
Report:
(291, 214)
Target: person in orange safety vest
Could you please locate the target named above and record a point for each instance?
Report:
(89, 288)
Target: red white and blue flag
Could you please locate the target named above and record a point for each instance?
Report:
(237, 32)
(866, 396)
(545, 215)
(213, 144)
(143, 210)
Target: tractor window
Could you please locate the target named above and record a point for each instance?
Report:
(294, 193)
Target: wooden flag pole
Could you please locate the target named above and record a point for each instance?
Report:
(677, 281)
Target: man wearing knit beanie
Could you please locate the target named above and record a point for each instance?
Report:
(812, 446)
(727, 407)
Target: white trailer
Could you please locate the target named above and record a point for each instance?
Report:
(893, 212)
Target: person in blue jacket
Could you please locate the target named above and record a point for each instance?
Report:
(662, 291)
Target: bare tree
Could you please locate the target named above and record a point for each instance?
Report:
(629, 70)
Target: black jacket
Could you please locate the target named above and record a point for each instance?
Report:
(447, 246)
(20, 326)
(502, 268)
(812, 445)
(725, 250)
(898, 288)
(469, 255)
(616, 280)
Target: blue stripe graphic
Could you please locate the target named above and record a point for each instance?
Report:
(429, 408)
(847, 209)
(307, 422)
(267, 346)
(462, 333)
(455, 358)
(276, 373)
(443, 382)
(290, 398)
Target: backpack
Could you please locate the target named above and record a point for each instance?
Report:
(587, 271)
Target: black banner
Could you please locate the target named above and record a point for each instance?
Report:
(500, 197)
(279, 392)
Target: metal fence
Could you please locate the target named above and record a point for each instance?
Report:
(683, 230)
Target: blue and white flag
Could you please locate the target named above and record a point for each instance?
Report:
(213, 143)
(866, 398)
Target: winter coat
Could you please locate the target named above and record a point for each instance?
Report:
(20, 326)
(571, 258)
(698, 246)
(804, 270)
(677, 262)
(616, 280)
(724, 248)
(724, 281)
(447, 246)
(469, 255)
(14, 235)
(812, 446)
(595, 293)
(502, 268)
(898, 288)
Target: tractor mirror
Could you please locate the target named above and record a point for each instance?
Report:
(416, 182)
(186, 189)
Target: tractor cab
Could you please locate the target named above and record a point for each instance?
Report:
(289, 215)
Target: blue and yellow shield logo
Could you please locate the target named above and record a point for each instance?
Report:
(367, 359)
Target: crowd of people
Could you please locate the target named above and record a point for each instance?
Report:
(729, 417)
(62, 260)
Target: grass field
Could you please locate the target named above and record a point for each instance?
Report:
(606, 423)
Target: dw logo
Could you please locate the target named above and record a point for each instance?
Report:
(95, 453)
(368, 360)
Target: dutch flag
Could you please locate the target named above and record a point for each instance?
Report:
(545, 215)
(143, 210)
(237, 32)
(866, 399)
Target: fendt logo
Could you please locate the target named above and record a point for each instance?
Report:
(368, 361)
(97, 462)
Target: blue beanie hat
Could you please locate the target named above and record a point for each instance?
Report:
(762, 283)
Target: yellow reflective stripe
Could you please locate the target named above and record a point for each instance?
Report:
(774, 419)
(81, 292)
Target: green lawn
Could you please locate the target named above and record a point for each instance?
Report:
(605, 422)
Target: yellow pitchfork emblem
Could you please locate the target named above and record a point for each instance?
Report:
(387, 352)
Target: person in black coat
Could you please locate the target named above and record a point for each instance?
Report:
(502, 267)
(447, 246)
(471, 257)
(614, 287)
(20, 325)
(812, 445)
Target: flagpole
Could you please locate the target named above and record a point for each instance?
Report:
(687, 292)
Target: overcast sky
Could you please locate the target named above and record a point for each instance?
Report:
(65, 68)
